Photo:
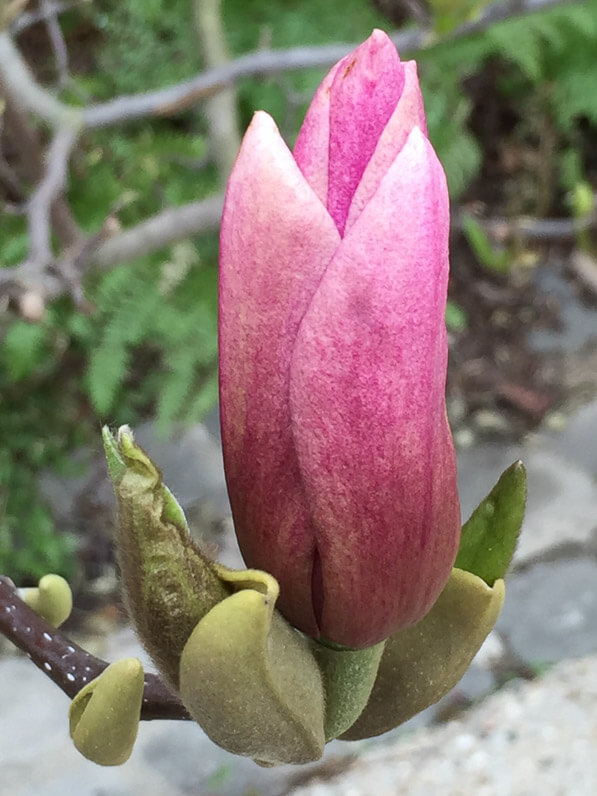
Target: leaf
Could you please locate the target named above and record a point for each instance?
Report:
(479, 242)
(456, 317)
(23, 348)
(489, 537)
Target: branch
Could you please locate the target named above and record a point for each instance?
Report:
(67, 664)
(107, 249)
(176, 223)
(171, 100)
(221, 110)
(167, 101)
(530, 229)
(52, 184)
(50, 9)
(169, 226)
(24, 142)
(27, 93)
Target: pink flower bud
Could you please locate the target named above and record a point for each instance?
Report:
(333, 353)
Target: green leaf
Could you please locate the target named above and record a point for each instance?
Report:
(489, 537)
(456, 317)
(485, 253)
(23, 348)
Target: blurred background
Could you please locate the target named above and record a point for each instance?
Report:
(108, 288)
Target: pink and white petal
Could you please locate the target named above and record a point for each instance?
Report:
(409, 113)
(313, 142)
(363, 96)
(276, 241)
(368, 409)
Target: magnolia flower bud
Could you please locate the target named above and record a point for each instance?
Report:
(334, 267)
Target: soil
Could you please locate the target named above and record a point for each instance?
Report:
(501, 381)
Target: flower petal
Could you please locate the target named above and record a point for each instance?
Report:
(311, 150)
(276, 240)
(368, 409)
(363, 96)
(409, 113)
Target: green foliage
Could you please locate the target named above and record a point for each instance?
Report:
(549, 55)
(488, 256)
(34, 429)
(168, 310)
(22, 349)
(456, 317)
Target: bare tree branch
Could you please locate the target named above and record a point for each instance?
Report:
(9, 11)
(28, 18)
(26, 92)
(67, 664)
(170, 100)
(161, 230)
(532, 230)
(25, 143)
(107, 249)
(173, 99)
(48, 8)
(38, 211)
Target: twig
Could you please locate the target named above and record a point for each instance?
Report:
(181, 222)
(107, 250)
(171, 100)
(67, 664)
(9, 11)
(28, 18)
(24, 142)
(52, 184)
(24, 90)
(160, 230)
(48, 8)
(532, 229)
(174, 224)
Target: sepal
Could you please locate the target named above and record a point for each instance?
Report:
(249, 679)
(348, 678)
(104, 716)
(421, 664)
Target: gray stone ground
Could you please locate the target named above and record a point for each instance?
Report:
(532, 736)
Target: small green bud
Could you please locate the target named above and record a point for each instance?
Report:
(104, 716)
(52, 599)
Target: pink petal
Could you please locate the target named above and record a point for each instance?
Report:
(276, 240)
(363, 96)
(368, 409)
(313, 141)
(408, 113)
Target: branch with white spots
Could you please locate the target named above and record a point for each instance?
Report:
(67, 664)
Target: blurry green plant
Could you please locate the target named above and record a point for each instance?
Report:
(150, 345)
(456, 317)
(486, 253)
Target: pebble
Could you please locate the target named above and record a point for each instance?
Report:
(532, 737)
